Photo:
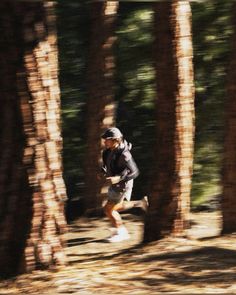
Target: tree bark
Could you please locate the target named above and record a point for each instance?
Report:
(229, 158)
(100, 103)
(170, 194)
(31, 185)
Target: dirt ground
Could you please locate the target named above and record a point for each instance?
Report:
(203, 263)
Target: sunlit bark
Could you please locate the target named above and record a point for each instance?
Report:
(229, 159)
(170, 196)
(31, 185)
(100, 103)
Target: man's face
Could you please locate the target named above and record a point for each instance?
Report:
(110, 143)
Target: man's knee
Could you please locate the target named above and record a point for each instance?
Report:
(108, 208)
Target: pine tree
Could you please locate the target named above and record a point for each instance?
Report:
(32, 188)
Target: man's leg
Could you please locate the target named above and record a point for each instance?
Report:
(121, 233)
(126, 205)
(111, 210)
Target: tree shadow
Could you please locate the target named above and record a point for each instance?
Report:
(205, 265)
(82, 241)
(99, 256)
(209, 265)
(203, 255)
(159, 265)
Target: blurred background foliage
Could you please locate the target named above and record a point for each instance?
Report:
(135, 89)
(211, 40)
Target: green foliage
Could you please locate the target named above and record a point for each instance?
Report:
(206, 176)
(211, 34)
(73, 32)
(135, 89)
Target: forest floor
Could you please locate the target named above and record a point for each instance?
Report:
(203, 263)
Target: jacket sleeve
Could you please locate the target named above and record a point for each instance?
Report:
(132, 170)
(103, 167)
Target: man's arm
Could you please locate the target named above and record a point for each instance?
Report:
(132, 171)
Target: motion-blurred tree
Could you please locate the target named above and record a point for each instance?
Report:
(170, 195)
(134, 89)
(100, 103)
(229, 159)
(32, 188)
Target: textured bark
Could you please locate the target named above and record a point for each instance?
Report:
(31, 185)
(229, 159)
(100, 103)
(170, 195)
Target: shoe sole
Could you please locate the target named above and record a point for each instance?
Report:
(114, 241)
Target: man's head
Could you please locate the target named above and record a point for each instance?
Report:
(112, 133)
(112, 137)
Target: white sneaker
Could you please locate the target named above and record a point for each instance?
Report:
(113, 231)
(121, 235)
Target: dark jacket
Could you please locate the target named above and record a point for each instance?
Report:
(119, 162)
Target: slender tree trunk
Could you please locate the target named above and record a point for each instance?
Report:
(229, 159)
(170, 196)
(100, 104)
(31, 185)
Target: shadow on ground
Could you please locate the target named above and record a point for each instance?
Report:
(203, 263)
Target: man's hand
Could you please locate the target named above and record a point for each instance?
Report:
(112, 180)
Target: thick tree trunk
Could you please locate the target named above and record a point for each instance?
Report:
(100, 104)
(31, 186)
(170, 196)
(229, 159)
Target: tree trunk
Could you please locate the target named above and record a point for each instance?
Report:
(170, 195)
(100, 104)
(31, 186)
(229, 159)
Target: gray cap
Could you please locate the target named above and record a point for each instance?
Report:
(112, 132)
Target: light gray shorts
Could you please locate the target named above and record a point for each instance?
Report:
(117, 197)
